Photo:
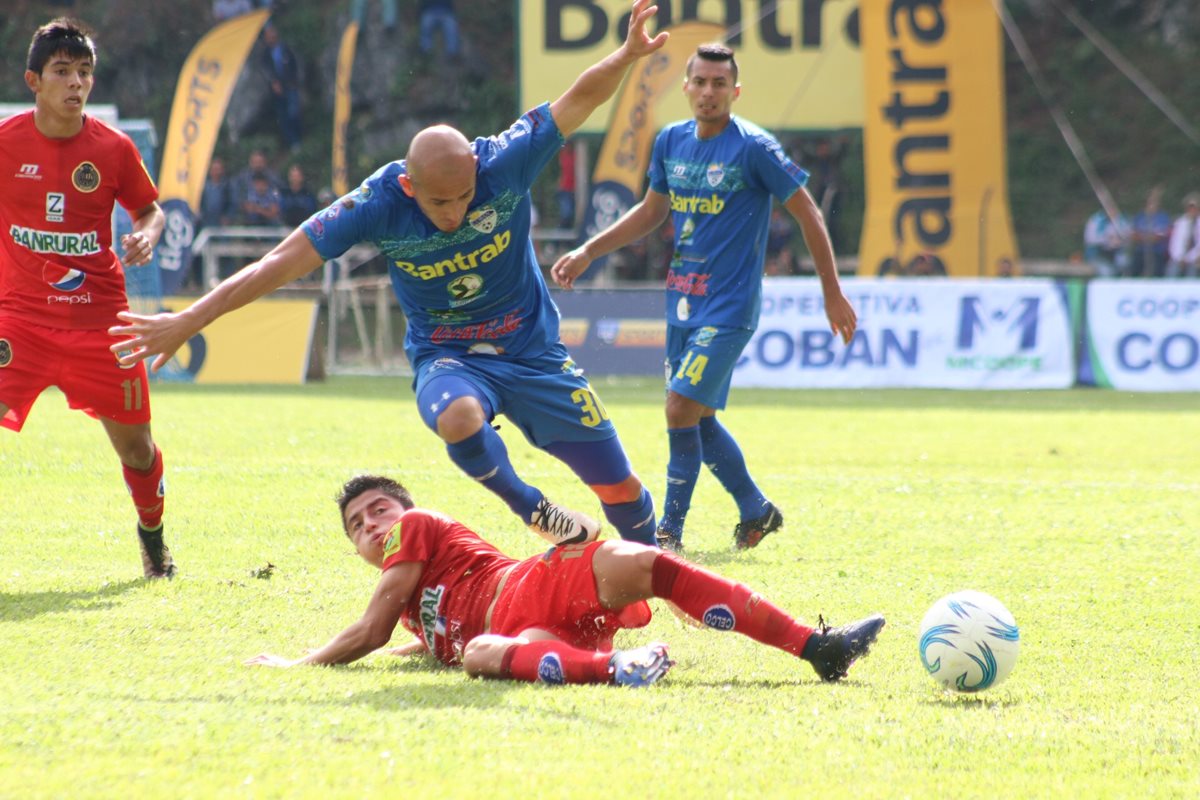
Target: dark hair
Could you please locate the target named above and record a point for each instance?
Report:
(63, 35)
(365, 483)
(714, 51)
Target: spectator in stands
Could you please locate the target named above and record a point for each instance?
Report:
(1151, 238)
(227, 9)
(1005, 268)
(358, 12)
(296, 201)
(1184, 247)
(1106, 244)
(780, 232)
(283, 72)
(438, 15)
(256, 164)
(261, 205)
(565, 196)
(216, 199)
(822, 159)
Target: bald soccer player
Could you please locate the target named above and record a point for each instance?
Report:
(453, 220)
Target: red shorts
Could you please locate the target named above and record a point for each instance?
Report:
(78, 362)
(557, 593)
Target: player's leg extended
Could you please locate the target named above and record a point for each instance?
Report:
(459, 412)
(142, 469)
(605, 468)
(538, 656)
(626, 573)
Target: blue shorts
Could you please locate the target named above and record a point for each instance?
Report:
(700, 361)
(546, 396)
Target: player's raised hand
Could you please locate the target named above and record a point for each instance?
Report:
(269, 660)
(637, 41)
(157, 335)
(569, 267)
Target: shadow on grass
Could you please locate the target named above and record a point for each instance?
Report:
(970, 702)
(21, 606)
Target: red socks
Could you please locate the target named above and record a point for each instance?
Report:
(552, 661)
(724, 605)
(147, 489)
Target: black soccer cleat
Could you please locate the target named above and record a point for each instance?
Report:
(156, 558)
(750, 532)
(831, 651)
(668, 541)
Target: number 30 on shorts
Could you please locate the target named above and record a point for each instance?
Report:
(593, 410)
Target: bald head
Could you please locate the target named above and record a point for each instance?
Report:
(439, 154)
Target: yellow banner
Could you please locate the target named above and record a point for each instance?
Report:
(264, 342)
(201, 96)
(934, 140)
(625, 153)
(799, 59)
(341, 106)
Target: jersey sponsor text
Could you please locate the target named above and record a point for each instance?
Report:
(461, 261)
(63, 244)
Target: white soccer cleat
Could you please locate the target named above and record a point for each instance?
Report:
(559, 526)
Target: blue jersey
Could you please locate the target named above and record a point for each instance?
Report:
(478, 289)
(720, 191)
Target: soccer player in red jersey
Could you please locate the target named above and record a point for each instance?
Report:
(549, 618)
(61, 284)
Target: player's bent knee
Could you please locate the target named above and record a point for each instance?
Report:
(627, 491)
(461, 420)
(483, 657)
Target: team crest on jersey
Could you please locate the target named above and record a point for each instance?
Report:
(464, 288)
(64, 279)
(391, 544)
(715, 174)
(5, 353)
(483, 219)
(86, 178)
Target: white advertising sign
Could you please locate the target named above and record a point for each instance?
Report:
(927, 333)
(1145, 335)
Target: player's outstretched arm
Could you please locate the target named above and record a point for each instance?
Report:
(842, 319)
(599, 81)
(160, 335)
(367, 635)
(633, 225)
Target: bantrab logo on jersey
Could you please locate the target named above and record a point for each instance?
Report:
(64, 279)
(460, 262)
(483, 219)
(715, 174)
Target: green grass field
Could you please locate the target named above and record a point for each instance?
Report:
(1080, 510)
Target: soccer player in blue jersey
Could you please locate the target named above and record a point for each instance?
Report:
(453, 220)
(716, 174)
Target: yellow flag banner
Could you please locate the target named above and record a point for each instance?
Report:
(801, 56)
(934, 140)
(201, 97)
(625, 152)
(341, 106)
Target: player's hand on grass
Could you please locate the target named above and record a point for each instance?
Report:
(269, 660)
(569, 267)
(413, 648)
(143, 336)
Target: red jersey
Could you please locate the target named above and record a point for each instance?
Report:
(461, 572)
(57, 266)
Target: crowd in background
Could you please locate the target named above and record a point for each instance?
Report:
(1151, 245)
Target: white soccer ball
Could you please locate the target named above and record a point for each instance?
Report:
(969, 641)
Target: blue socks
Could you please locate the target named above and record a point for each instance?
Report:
(724, 458)
(634, 521)
(484, 457)
(683, 469)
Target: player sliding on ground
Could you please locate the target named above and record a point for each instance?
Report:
(550, 617)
